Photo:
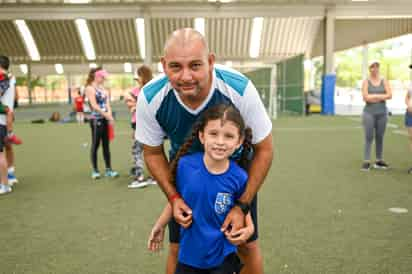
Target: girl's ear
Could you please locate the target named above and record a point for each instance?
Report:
(202, 137)
(241, 140)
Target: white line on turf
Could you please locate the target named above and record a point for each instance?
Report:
(398, 210)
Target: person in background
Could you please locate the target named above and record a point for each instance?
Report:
(5, 78)
(79, 107)
(7, 86)
(408, 116)
(375, 91)
(142, 76)
(100, 118)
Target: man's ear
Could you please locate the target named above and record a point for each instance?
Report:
(211, 59)
(163, 62)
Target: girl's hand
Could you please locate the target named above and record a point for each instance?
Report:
(155, 242)
(109, 117)
(242, 235)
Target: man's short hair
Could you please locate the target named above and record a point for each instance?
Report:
(4, 62)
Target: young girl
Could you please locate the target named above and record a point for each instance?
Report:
(210, 183)
(408, 116)
(143, 76)
(100, 118)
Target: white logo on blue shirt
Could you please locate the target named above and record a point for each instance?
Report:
(223, 202)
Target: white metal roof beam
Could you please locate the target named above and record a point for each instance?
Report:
(70, 12)
(373, 11)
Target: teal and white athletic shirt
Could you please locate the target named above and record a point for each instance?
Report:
(161, 112)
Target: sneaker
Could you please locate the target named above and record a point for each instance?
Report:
(138, 184)
(12, 178)
(4, 189)
(95, 175)
(111, 173)
(13, 139)
(410, 171)
(381, 165)
(151, 181)
(366, 166)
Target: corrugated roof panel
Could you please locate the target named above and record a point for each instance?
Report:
(11, 44)
(115, 39)
(162, 28)
(56, 39)
(351, 33)
(283, 37)
(229, 38)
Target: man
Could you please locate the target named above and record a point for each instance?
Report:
(169, 105)
(7, 99)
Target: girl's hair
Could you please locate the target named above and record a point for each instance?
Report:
(225, 113)
(145, 74)
(91, 75)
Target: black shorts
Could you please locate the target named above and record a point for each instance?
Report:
(3, 135)
(230, 265)
(133, 125)
(174, 228)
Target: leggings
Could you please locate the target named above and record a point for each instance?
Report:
(374, 125)
(100, 133)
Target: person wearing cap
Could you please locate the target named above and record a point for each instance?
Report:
(100, 119)
(375, 92)
(142, 76)
(408, 116)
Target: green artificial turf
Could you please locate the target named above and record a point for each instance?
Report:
(318, 212)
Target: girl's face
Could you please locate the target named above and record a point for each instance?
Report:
(220, 139)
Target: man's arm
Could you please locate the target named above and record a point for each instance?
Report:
(259, 168)
(158, 166)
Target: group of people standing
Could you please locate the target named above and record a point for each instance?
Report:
(376, 91)
(102, 123)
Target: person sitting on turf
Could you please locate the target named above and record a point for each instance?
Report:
(4, 86)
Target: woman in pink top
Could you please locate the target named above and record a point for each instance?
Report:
(143, 75)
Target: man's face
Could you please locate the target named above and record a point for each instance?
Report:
(188, 68)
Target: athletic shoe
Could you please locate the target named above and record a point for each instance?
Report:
(111, 173)
(138, 184)
(410, 170)
(151, 181)
(95, 175)
(381, 165)
(366, 166)
(4, 189)
(13, 139)
(12, 178)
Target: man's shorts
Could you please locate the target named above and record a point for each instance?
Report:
(174, 228)
(3, 135)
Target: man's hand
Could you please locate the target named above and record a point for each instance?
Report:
(235, 220)
(182, 213)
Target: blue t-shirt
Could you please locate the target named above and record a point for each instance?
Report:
(210, 197)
